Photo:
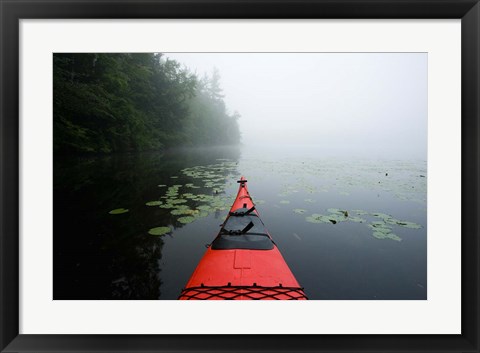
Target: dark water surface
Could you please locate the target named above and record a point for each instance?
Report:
(348, 228)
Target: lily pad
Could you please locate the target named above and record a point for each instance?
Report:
(406, 224)
(318, 218)
(118, 211)
(299, 210)
(181, 207)
(383, 231)
(386, 235)
(381, 215)
(356, 219)
(337, 211)
(284, 202)
(177, 212)
(167, 206)
(379, 235)
(154, 203)
(186, 220)
(201, 214)
(177, 201)
(394, 237)
(159, 230)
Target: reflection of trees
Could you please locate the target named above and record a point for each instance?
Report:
(100, 256)
(139, 271)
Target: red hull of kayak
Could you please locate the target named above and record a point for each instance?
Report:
(243, 273)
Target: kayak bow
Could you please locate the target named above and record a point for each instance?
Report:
(242, 262)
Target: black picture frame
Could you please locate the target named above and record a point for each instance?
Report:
(13, 10)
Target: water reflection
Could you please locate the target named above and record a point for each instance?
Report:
(98, 255)
(348, 229)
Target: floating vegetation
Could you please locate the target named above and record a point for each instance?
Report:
(382, 229)
(183, 211)
(338, 211)
(167, 206)
(186, 220)
(356, 219)
(177, 201)
(171, 192)
(159, 230)
(211, 177)
(201, 214)
(208, 189)
(390, 220)
(211, 173)
(320, 218)
(337, 215)
(381, 215)
(162, 186)
(320, 175)
(118, 211)
(154, 203)
(408, 225)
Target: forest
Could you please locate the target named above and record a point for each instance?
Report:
(111, 102)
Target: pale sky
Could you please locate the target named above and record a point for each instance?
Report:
(372, 103)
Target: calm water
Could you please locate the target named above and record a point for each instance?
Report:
(377, 250)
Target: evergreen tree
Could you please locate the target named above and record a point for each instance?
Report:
(135, 102)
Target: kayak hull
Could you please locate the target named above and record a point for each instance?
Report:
(234, 269)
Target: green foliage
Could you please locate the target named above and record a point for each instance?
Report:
(153, 203)
(118, 211)
(160, 231)
(107, 103)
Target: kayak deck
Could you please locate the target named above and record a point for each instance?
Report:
(243, 262)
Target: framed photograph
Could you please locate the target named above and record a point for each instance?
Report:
(309, 168)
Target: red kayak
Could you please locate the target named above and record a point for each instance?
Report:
(243, 262)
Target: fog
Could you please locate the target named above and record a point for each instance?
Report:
(336, 104)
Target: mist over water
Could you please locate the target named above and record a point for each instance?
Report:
(336, 104)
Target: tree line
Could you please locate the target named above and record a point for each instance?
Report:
(104, 103)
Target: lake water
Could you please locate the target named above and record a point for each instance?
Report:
(348, 228)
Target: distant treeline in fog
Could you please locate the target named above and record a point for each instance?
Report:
(105, 103)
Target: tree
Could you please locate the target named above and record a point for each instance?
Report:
(134, 102)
